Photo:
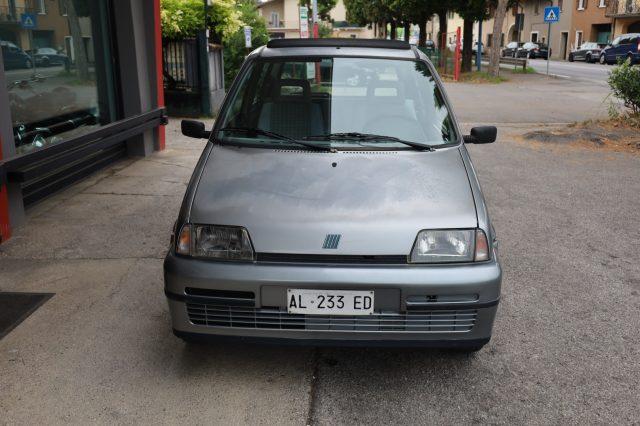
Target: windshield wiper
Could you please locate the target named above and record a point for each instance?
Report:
(369, 137)
(250, 130)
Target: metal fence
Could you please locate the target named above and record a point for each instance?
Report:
(193, 72)
(446, 56)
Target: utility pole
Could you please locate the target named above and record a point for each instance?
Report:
(479, 51)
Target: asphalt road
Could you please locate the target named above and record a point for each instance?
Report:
(566, 340)
(592, 73)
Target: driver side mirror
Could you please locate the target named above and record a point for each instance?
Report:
(194, 129)
(484, 134)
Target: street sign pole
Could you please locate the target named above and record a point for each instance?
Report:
(551, 15)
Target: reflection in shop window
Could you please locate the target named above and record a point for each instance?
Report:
(59, 83)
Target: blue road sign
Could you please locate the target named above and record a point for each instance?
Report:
(551, 14)
(28, 21)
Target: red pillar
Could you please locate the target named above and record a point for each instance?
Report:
(5, 229)
(159, 75)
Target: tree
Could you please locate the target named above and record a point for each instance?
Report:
(79, 49)
(324, 8)
(498, 21)
(377, 12)
(471, 11)
(235, 50)
(184, 18)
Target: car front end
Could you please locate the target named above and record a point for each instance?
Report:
(290, 233)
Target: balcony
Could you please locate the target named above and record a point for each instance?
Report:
(623, 8)
(12, 14)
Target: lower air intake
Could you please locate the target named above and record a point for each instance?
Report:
(437, 321)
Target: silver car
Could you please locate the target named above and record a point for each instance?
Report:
(335, 203)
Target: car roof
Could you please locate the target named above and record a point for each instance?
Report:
(338, 47)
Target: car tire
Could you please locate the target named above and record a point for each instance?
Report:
(571, 59)
(602, 60)
(28, 64)
(588, 59)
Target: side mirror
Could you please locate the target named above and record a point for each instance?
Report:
(484, 134)
(194, 129)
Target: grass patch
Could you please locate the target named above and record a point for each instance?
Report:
(528, 70)
(479, 77)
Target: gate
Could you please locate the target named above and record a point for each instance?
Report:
(193, 72)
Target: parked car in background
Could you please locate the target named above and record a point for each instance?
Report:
(14, 57)
(48, 56)
(588, 52)
(626, 46)
(532, 50)
(323, 257)
(511, 49)
(475, 47)
(429, 47)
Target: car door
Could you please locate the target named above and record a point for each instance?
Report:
(610, 53)
(623, 47)
(580, 53)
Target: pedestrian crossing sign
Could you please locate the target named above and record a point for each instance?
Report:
(28, 21)
(551, 14)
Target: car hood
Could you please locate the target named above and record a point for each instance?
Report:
(289, 200)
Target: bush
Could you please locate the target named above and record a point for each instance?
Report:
(625, 84)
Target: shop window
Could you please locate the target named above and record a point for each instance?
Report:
(60, 80)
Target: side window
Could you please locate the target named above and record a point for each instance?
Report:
(616, 42)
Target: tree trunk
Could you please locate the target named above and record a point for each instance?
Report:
(407, 30)
(394, 30)
(498, 20)
(442, 29)
(422, 25)
(79, 51)
(467, 47)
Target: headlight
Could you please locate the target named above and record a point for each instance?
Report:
(453, 245)
(216, 242)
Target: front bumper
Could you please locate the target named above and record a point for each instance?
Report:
(405, 311)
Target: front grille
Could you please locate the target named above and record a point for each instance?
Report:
(332, 258)
(274, 318)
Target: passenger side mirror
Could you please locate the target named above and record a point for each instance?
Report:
(484, 134)
(194, 129)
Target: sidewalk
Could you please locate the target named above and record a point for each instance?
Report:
(101, 350)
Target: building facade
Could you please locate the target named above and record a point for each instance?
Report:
(80, 87)
(590, 23)
(625, 16)
(283, 20)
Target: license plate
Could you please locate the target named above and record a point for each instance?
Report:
(329, 302)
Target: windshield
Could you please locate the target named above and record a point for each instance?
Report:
(336, 102)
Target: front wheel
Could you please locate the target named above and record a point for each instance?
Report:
(571, 59)
(28, 64)
(602, 60)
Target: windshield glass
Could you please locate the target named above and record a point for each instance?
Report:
(336, 101)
